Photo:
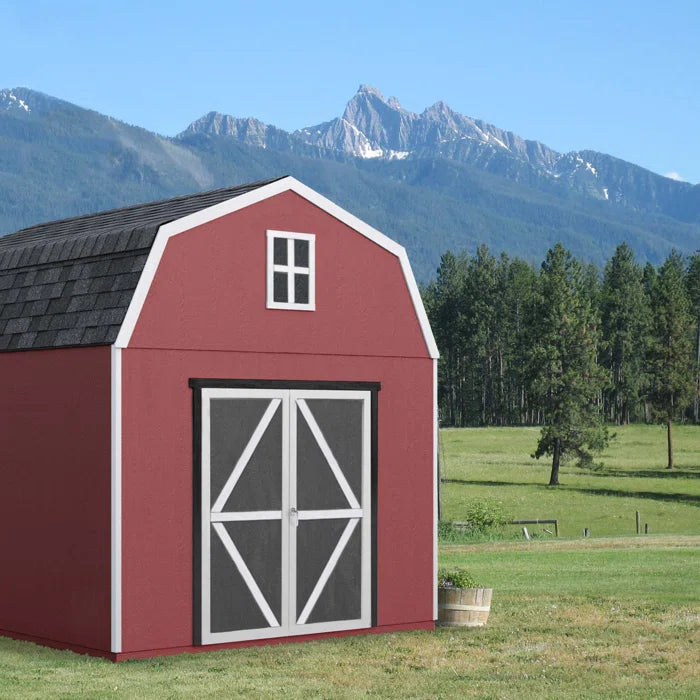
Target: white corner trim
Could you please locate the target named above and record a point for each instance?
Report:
(245, 200)
(436, 485)
(116, 501)
(418, 305)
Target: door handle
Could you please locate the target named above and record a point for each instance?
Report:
(295, 516)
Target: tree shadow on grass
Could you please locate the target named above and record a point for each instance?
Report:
(651, 495)
(618, 493)
(481, 482)
(647, 473)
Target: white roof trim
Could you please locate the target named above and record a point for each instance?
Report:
(245, 200)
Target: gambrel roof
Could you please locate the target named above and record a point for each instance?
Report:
(70, 282)
(83, 281)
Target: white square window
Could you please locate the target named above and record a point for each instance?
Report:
(291, 281)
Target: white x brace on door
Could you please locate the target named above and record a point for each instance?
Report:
(285, 507)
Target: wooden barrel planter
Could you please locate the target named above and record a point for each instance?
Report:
(463, 607)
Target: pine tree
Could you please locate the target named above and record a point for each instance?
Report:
(693, 286)
(625, 321)
(563, 369)
(444, 300)
(590, 284)
(649, 279)
(671, 382)
(521, 287)
(481, 290)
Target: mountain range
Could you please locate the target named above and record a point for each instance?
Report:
(432, 181)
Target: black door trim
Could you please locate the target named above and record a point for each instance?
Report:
(281, 384)
(197, 385)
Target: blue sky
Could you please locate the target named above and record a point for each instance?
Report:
(618, 77)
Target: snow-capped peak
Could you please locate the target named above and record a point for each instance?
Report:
(370, 90)
(8, 100)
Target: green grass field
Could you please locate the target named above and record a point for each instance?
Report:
(495, 463)
(569, 619)
(608, 616)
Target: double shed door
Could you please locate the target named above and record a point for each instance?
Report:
(285, 530)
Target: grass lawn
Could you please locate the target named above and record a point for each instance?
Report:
(595, 618)
(495, 463)
(607, 616)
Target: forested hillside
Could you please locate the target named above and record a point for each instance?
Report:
(462, 182)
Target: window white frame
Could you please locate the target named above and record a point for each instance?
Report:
(290, 269)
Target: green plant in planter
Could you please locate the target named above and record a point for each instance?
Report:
(456, 578)
(462, 602)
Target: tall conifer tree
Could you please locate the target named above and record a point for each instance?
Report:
(625, 322)
(521, 290)
(444, 307)
(670, 350)
(693, 285)
(564, 373)
(481, 290)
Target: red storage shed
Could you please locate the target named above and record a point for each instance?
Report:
(217, 427)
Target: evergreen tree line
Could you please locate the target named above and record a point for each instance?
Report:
(566, 346)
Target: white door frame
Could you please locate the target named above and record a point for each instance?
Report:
(292, 403)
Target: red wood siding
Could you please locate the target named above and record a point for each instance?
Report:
(210, 289)
(55, 495)
(205, 316)
(157, 481)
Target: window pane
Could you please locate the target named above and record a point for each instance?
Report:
(280, 288)
(301, 289)
(301, 253)
(280, 255)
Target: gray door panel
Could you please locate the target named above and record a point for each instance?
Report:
(285, 506)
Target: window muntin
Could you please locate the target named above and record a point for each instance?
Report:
(291, 270)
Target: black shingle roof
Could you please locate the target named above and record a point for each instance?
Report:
(70, 282)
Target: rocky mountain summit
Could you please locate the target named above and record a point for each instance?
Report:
(385, 129)
(374, 127)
